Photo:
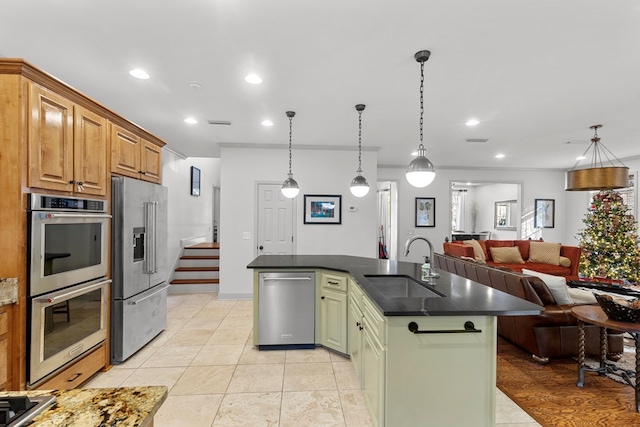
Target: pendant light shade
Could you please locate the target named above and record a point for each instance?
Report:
(598, 176)
(421, 171)
(359, 185)
(290, 187)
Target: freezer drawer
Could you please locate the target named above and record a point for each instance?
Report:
(286, 313)
(136, 321)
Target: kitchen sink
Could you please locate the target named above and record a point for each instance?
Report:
(401, 287)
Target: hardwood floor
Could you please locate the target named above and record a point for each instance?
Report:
(550, 395)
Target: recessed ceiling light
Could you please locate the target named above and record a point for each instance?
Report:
(254, 79)
(195, 85)
(190, 120)
(499, 156)
(580, 158)
(472, 122)
(139, 74)
(267, 123)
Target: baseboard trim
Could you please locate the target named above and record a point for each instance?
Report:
(248, 295)
(195, 288)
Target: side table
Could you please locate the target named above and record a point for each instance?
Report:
(594, 315)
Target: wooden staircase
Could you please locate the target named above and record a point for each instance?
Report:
(198, 270)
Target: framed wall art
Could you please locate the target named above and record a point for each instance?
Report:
(322, 209)
(195, 181)
(545, 211)
(425, 212)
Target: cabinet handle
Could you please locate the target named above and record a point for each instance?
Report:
(332, 283)
(360, 327)
(75, 377)
(322, 297)
(358, 323)
(72, 182)
(468, 327)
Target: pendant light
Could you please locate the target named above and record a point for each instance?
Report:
(598, 176)
(421, 171)
(290, 187)
(359, 185)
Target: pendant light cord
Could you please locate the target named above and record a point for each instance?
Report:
(290, 132)
(421, 99)
(359, 141)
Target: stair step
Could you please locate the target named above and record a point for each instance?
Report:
(198, 269)
(200, 257)
(193, 281)
(205, 245)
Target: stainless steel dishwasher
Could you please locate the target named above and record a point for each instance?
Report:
(286, 316)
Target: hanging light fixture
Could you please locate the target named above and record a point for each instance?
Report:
(598, 176)
(290, 187)
(421, 171)
(359, 185)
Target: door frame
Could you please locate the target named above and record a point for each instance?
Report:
(294, 217)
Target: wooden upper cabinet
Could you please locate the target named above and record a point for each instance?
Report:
(134, 156)
(67, 145)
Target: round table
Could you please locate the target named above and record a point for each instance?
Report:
(594, 315)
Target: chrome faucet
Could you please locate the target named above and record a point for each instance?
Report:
(413, 239)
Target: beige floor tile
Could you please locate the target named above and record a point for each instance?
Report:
(309, 376)
(346, 378)
(311, 408)
(111, 378)
(252, 356)
(507, 412)
(226, 304)
(202, 323)
(188, 411)
(218, 355)
(154, 376)
(213, 313)
(228, 336)
(175, 323)
(167, 357)
(242, 309)
(184, 338)
(237, 323)
(163, 337)
(354, 409)
(138, 358)
(257, 378)
(249, 409)
(308, 356)
(335, 357)
(203, 380)
(183, 312)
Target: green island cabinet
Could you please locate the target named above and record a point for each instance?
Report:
(407, 379)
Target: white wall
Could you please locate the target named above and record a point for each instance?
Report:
(189, 216)
(317, 171)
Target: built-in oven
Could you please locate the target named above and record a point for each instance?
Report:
(68, 241)
(67, 285)
(66, 324)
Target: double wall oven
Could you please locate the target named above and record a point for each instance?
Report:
(67, 285)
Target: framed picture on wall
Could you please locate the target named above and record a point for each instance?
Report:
(425, 212)
(321, 209)
(545, 211)
(195, 181)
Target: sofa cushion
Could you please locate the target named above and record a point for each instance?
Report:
(545, 252)
(477, 250)
(565, 262)
(542, 290)
(581, 296)
(496, 244)
(509, 255)
(523, 245)
(556, 270)
(556, 284)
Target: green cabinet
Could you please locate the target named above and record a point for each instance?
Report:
(355, 330)
(333, 312)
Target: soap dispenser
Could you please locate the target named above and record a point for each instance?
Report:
(426, 269)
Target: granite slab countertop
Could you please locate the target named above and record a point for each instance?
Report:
(98, 407)
(460, 296)
(8, 290)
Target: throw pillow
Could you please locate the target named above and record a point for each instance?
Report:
(506, 255)
(477, 250)
(581, 296)
(544, 252)
(556, 284)
(496, 244)
(565, 262)
(542, 290)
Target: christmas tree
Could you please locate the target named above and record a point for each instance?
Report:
(609, 241)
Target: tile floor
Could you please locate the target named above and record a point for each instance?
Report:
(216, 378)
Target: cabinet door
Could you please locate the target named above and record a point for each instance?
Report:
(90, 152)
(373, 376)
(333, 323)
(125, 152)
(354, 334)
(5, 356)
(151, 162)
(50, 140)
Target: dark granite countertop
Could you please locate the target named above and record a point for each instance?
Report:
(461, 297)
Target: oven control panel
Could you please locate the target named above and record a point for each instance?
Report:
(44, 202)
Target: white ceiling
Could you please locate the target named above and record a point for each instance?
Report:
(536, 73)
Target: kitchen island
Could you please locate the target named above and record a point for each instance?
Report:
(424, 352)
(99, 407)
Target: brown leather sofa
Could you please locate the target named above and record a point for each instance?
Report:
(554, 333)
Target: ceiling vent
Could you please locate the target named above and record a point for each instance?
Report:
(476, 140)
(219, 122)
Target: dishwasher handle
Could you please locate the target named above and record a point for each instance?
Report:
(279, 279)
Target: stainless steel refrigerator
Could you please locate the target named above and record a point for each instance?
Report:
(138, 265)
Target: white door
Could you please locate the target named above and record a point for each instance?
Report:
(275, 221)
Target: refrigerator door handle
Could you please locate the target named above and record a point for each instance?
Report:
(148, 296)
(150, 258)
(67, 215)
